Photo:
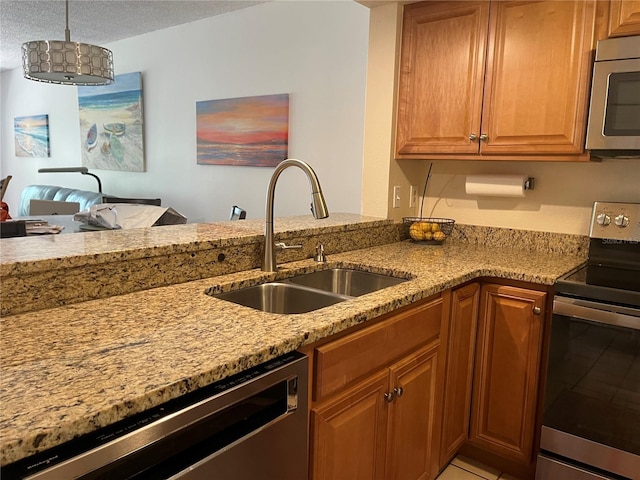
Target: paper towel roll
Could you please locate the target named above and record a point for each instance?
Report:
(496, 185)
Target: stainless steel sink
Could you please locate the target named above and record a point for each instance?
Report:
(309, 291)
(276, 297)
(346, 281)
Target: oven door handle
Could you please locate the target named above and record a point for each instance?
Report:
(597, 312)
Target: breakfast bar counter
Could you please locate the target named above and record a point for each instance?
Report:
(75, 368)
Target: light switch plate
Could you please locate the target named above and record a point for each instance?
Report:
(413, 196)
(396, 196)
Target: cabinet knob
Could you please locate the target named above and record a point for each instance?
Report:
(537, 310)
(398, 391)
(473, 137)
(389, 396)
(484, 137)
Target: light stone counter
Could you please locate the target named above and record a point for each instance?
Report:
(69, 370)
(55, 270)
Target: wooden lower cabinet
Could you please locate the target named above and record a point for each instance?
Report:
(377, 398)
(383, 428)
(412, 448)
(459, 373)
(465, 302)
(349, 433)
(493, 371)
(507, 371)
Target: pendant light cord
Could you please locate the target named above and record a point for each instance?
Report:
(67, 32)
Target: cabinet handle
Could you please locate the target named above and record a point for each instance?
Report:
(398, 391)
(537, 310)
(473, 137)
(389, 396)
(484, 137)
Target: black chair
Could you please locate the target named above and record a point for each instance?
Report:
(237, 213)
(141, 201)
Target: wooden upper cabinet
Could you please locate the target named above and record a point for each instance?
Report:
(441, 77)
(496, 80)
(537, 80)
(624, 18)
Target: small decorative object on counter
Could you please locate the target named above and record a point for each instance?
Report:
(430, 231)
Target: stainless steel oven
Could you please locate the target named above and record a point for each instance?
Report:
(591, 421)
(249, 426)
(613, 128)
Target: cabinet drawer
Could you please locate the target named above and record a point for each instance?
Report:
(347, 359)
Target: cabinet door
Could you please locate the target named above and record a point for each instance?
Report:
(441, 77)
(537, 78)
(507, 371)
(459, 370)
(624, 18)
(348, 433)
(412, 447)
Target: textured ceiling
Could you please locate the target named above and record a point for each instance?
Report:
(96, 21)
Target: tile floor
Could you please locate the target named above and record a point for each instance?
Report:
(462, 468)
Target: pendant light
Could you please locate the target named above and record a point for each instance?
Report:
(66, 62)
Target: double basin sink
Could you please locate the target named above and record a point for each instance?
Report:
(310, 291)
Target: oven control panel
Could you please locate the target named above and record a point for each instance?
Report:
(616, 221)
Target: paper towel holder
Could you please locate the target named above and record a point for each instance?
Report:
(528, 184)
(498, 185)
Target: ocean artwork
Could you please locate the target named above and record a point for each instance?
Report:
(31, 136)
(111, 124)
(250, 131)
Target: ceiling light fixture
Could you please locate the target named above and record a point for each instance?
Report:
(66, 62)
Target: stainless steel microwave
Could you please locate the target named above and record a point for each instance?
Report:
(613, 128)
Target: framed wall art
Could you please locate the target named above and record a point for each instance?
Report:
(251, 131)
(31, 136)
(112, 124)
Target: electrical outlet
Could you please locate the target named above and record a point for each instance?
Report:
(413, 196)
(396, 196)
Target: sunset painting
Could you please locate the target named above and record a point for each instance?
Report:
(31, 136)
(250, 131)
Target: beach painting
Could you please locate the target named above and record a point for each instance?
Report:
(111, 124)
(251, 131)
(31, 136)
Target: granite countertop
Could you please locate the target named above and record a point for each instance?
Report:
(69, 370)
(42, 252)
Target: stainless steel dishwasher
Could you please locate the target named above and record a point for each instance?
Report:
(249, 426)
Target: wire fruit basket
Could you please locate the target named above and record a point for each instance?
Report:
(430, 231)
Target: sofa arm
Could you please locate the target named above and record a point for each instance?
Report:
(38, 192)
(83, 197)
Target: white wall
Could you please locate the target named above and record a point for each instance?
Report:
(314, 50)
(564, 191)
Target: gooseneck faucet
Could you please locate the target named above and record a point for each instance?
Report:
(318, 208)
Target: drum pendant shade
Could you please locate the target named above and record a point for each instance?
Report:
(66, 62)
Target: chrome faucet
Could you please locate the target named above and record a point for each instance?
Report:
(318, 208)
